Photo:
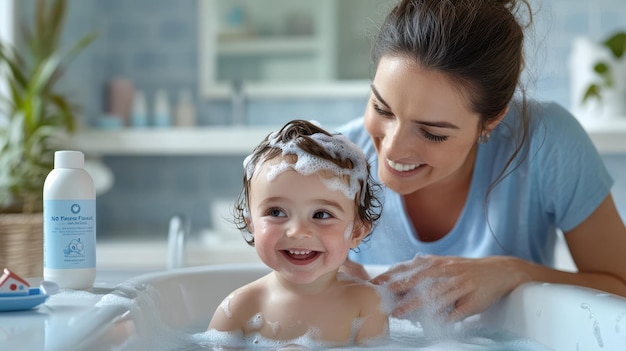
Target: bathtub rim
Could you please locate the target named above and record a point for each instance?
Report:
(531, 310)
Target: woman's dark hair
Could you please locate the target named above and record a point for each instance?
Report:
(366, 201)
(476, 44)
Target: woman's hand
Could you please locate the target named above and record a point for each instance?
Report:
(450, 288)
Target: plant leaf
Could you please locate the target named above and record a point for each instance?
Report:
(66, 111)
(55, 24)
(592, 92)
(604, 70)
(601, 68)
(38, 114)
(15, 64)
(617, 44)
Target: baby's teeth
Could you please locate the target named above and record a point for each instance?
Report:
(299, 252)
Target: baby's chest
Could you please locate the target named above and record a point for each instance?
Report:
(329, 322)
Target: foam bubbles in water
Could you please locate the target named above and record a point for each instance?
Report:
(431, 316)
(237, 340)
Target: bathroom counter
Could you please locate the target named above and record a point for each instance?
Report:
(43, 326)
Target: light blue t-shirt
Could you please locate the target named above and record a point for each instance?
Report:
(559, 184)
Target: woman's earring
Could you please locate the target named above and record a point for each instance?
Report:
(484, 137)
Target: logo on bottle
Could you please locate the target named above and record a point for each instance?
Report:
(74, 248)
(75, 208)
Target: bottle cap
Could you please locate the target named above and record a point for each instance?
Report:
(69, 159)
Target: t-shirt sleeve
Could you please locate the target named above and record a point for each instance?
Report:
(355, 131)
(573, 178)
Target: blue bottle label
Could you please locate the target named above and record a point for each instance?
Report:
(69, 234)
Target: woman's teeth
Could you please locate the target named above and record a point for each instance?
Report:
(402, 167)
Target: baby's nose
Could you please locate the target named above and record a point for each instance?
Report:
(299, 229)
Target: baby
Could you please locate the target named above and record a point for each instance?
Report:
(307, 199)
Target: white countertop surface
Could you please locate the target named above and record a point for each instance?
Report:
(52, 322)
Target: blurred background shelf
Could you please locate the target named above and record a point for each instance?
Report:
(269, 46)
(170, 141)
(609, 136)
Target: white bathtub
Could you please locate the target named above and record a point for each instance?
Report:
(557, 316)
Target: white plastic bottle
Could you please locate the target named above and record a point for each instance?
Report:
(185, 111)
(69, 229)
(162, 112)
(139, 110)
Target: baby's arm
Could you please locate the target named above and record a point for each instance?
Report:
(232, 313)
(374, 320)
(222, 321)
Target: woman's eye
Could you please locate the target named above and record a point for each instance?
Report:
(322, 215)
(433, 137)
(380, 110)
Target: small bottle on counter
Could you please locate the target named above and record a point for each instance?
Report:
(162, 113)
(139, 111)
(69, 229)
(120, 98)
(185, 110)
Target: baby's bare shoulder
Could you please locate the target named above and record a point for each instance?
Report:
(362, 290)
(249, 296)
(238, 307)
(374, 317)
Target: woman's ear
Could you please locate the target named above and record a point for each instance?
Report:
(494, 122)
(359, 233)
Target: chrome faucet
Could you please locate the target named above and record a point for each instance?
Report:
(176, 241)
(238, 103)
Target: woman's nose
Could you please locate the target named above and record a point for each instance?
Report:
(395, 142)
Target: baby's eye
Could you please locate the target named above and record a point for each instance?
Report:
(275, 212)
(322, 215)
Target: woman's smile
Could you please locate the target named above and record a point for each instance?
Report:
(402, 167)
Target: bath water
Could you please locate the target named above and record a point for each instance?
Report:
(404, 335)
(153, 335)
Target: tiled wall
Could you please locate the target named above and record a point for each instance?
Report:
(154, 43)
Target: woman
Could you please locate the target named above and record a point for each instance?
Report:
(478, 182)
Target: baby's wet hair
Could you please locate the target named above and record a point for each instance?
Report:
(309, 139)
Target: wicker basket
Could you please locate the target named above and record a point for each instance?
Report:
(21, 244)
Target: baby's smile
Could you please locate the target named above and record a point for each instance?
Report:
(301, 256)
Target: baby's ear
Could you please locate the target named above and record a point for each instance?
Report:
(359, 232)
(249, 225)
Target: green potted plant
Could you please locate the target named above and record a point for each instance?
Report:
(33, 116)
(609, 88)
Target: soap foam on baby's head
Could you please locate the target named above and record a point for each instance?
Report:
(299, 154)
